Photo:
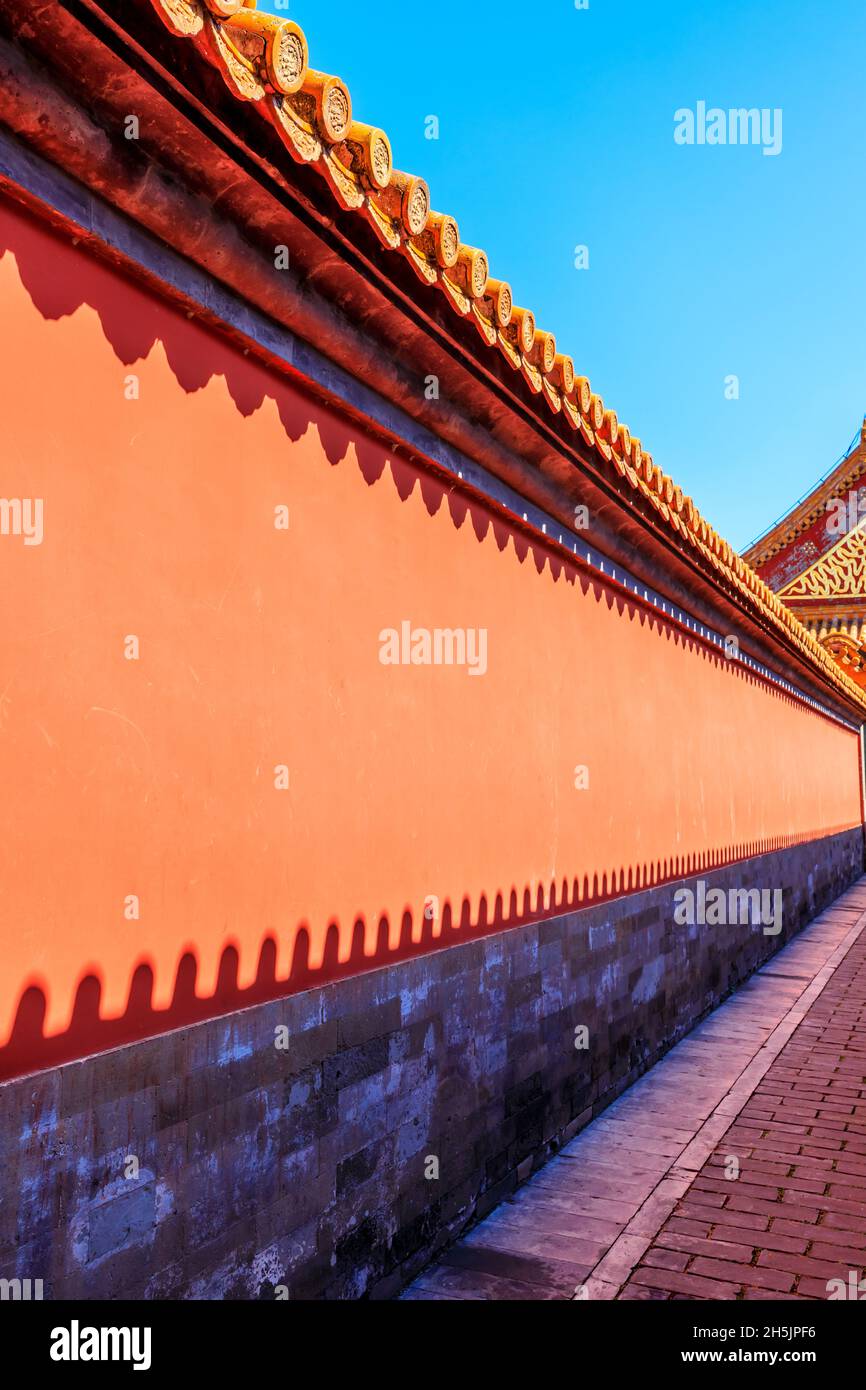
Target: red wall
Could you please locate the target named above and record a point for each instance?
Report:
(260, 647)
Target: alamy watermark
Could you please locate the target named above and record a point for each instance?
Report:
(844, 515)
(22, 516)
(21, 1290)
(854, 1289)
(738, 126)
(713, 907)
(438, 646)
(77, 1343)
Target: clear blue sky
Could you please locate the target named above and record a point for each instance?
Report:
(556, 129)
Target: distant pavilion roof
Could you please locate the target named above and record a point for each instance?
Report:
(814, 558)
(837, 483)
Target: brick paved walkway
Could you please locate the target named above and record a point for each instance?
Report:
(639, 1204)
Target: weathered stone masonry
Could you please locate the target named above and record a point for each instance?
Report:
(305, 1168)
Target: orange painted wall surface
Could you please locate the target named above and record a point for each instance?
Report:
(260, 647)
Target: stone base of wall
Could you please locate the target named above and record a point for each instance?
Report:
(406, 1103)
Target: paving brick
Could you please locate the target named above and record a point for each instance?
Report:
(812, 1288)
(800, 1264)
(855, 1256)
(764, 1240)
(661, 1258)
(768, 1209)
(743, 1274)
(770, 1295)
(714, 1249)
(637, 1293)
(690, 1284)
(678, 1225)
(744, 1219)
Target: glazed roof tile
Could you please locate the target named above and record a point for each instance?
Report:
(265, 61)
